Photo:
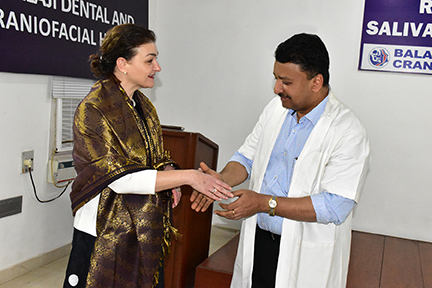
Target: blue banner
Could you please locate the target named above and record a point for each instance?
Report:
(56, 37)
(397, 36)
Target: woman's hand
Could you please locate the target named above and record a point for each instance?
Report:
(200, 202)
(210, 186)
(199, 181)
(177, 196)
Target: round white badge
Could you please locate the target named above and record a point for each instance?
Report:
(73, 280)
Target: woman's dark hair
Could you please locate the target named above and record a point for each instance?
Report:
(120, 41)
(307, 51)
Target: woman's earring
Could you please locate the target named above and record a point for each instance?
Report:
(125, 73)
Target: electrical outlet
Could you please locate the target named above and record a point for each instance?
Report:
(27, 155)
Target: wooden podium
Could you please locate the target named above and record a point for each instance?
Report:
(188, 251)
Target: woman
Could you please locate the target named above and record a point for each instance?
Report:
(121, 197)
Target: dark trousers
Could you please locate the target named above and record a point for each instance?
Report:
(266, 254)
(79, 261)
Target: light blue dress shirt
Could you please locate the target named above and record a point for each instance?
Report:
(329, 208)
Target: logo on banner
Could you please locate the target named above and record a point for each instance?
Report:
(379, 57)
(397, 38)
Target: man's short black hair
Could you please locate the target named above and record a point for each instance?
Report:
(307, 51)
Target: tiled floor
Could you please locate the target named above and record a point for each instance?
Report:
(52, 275)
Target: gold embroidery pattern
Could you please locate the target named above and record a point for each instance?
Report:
(111, 140)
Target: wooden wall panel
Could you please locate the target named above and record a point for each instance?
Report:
(366, 260)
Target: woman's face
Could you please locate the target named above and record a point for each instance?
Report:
(141, 69)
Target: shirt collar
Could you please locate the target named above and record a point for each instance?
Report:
(314, 115)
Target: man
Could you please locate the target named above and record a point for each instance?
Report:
(306, 159)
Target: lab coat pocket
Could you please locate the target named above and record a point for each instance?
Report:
(314, 264)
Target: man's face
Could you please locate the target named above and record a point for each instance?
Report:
(294, 88)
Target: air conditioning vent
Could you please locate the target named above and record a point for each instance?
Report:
(68, 93)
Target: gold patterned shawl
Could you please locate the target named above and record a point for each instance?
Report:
(110, 141)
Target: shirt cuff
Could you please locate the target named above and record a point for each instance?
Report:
(141, 182)
(86, 217)
(331, 208)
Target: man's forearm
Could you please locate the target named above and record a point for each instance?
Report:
(300, 209)
(234, 173)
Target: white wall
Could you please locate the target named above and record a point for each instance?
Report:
(217, 60)
(25, 113)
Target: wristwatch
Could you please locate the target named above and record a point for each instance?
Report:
(272, 205)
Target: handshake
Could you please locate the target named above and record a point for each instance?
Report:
(248, 202)
(202, 200)
(209, 186)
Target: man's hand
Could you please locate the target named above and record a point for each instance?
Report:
(249, 203)
(211, 172)
(200, 202)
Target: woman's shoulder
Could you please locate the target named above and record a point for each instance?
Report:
(102, 91)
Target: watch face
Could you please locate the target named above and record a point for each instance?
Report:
(272, 203)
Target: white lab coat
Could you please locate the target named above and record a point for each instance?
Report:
(335, 158)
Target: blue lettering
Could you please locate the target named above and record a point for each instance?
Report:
(408, 54)
(407, 64)
(397, 63)
(417, 65)
(427, 55)
(398, 53)
(427, 66)
(416, 55)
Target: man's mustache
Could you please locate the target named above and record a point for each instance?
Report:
(284, 96)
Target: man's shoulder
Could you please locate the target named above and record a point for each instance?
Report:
(346, 120)
(342, 115)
